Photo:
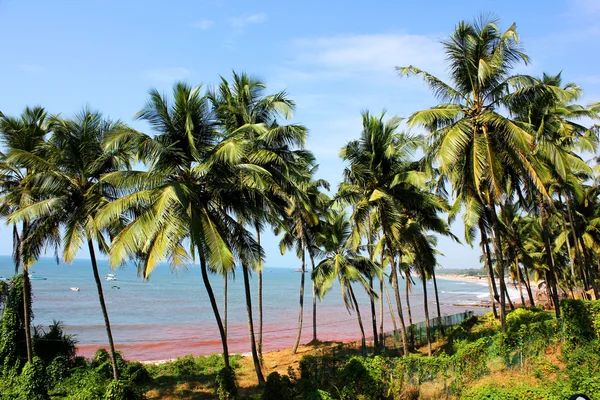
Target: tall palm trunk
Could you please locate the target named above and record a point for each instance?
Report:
(26, 291)
(314, 300)
(363, 341)
(373, 316)
(389, 301)
(399, 305)
(225, 289)
(508, 299)
(550, 272)
(499, 263)
(426, 309)
(381, 312)
(260, 297)
(528, 285)
(257, 368)
(301, 311)
(111, 345)
(437, 303)
(519, 279)
(215, 308)
(409, 311)
(487, 260)
(578, 257)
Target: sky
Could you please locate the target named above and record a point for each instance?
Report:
(335, 59)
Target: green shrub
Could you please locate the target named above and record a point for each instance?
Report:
(362, 378)
(137, 373)
(525, 316)
(578, 326)
(226, 384)
(278, 387)
(83, 383)
(120, 390)
(319, 395)
(54, 342)
(57, 371)
(33, 381)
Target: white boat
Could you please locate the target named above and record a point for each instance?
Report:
(110, 277)
(75, 289)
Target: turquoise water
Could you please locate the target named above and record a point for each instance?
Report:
(169, 315)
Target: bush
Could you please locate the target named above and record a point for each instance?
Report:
(278, 387)
(319, 395)
(578, 326)
(120, 390)
(57, 371)
(362, 378)
(53, 343)
(226, 384)
(33, 381)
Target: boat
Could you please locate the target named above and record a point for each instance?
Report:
(75, 289)
(37, 278)
(110, 277)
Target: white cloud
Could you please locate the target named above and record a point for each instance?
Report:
(363, 56)
(240, 23)
(31, 69)
(203, 24)
(166, 75)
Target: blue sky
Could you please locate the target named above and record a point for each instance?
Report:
(334, 58)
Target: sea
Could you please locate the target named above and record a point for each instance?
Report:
(169, 315)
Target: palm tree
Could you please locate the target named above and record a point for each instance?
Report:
(305, 204)
(70, 179)
(180, 201)
(343, 264)
(244, 112)
(477, 148)
(26, 133)
(383, 179)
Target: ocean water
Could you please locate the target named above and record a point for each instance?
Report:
(170, 315)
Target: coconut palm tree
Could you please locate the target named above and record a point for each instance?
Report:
(69, 177)
(177, 209)
(25, 133)
(305, 205)
(475, 146)
(244, 112)
(343, 264)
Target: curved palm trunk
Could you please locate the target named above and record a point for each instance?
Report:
(363, 341)
(426, 309)
(399, 305)
(437, 303)
(257, 368)
(373, 317)
(111, 345)
(508, 299)
(389, 301)
(301, 311)
(528, 285)
(213, 304)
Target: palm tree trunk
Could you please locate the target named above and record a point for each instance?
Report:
(260, 297)
(26, 288)
(578, 257)
(389, 301)
(373, 316)
(381, 312)
(487, 260)
(528, 285)
(426, 309)
(409, 311)
(499, 263)
(520, 282)
(111, 345)
(26, 316)
(399, 305)
(257, 368)
(225, 289)
(550, 273)
(508, 299)
(301, 311)
(215, 308)
(363, 341)
(314, 301)
(437, 303)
